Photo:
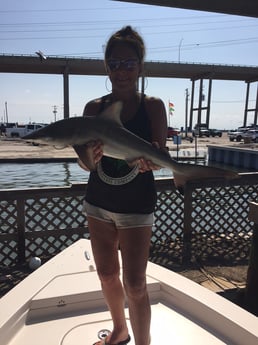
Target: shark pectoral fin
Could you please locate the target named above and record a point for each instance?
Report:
(86, 158)
(81, 165)
(88, 164)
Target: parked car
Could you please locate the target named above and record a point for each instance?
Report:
(252, 135)
(237, 135)
(173, 132)
(215, 133)
(20, 131)
(201, 130)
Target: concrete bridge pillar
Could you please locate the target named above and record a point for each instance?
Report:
(66, 93)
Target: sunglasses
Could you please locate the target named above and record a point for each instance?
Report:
(128, 64)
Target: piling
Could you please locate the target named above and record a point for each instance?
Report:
(251, 290)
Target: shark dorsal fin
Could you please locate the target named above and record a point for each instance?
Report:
(112, 112)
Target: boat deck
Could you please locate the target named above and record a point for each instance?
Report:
(61, 303)
(59, 310)
(168, 327)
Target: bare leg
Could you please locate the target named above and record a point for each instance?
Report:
(104, 241)
(134, 244)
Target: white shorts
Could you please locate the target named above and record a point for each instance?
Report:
(120, 220)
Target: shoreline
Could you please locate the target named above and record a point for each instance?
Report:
(19, 151)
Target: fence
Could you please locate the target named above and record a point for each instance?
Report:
(209, 222)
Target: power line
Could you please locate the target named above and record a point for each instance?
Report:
(112, 21)
(69, 9)
(146, 26)
(175, 47)
(207, 44)
(104, 29)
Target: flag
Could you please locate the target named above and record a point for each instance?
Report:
(171, 108)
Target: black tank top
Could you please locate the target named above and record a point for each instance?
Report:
(137, 196)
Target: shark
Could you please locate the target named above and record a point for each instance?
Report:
(120, 143)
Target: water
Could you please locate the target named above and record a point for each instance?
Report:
(36, 175)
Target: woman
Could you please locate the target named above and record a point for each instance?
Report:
(120, 216)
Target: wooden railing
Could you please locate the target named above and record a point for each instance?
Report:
(210, 221)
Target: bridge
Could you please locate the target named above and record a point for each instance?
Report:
(152, 69)
(246, 8)
(40, 64)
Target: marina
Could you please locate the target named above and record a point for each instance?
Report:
(202, 269)
(24, 165)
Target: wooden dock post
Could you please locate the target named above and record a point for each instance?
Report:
(251, 290)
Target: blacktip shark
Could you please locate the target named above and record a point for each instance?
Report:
(120, 143)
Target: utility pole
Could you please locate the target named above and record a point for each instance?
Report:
(186, 111)
(55, 112)
(6, 113)
(179, 50)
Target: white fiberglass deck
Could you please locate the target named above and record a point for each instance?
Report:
(61, 303)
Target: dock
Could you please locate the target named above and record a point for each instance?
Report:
(245, 156)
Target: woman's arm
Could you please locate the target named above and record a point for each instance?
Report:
(158, 123)
(158, 120)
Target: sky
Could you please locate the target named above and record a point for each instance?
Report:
(81, 29)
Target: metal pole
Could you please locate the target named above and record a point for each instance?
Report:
(6, 113)
(256, 108)
(179, 49)
(246, 103)
(55, 112)
(200, 103)
(186, 111)
(192, 105)
(195, 147)
(66, 93)
(209, 104)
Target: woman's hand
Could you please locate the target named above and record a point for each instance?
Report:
(97, 149)
(144, 164)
